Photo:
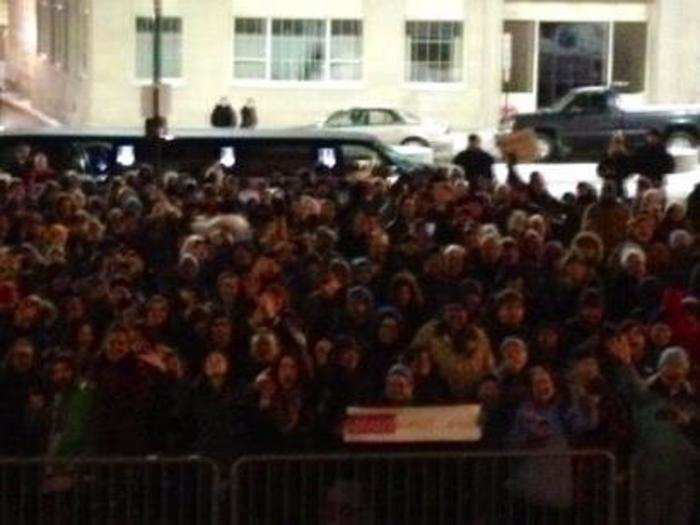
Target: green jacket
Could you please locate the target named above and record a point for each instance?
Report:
(69, 421)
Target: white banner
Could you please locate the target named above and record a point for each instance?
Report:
(412, 425)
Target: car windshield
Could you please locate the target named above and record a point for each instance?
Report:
(402, 162)
(564, 101)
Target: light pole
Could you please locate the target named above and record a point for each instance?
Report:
(156, 125)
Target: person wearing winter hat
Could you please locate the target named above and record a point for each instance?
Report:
(399, 385)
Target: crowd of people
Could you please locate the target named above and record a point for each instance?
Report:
(203, 314)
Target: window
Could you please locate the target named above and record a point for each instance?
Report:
(434, 51)
(250, 44)
(629, 56)
(346, 50)
(43, 26)
(381, 117)
(339, 119)
(171, 47)
(523, 56)
(299, 50)
(589, 103)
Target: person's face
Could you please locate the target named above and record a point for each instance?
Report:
(288, 373)
(592, 315)
(433, 266)
(404, 296)
(62, 376)
(408, 209)
(399, 388)
(267, 350)
(216, 365)
(358, 308)
(75, 310)
(456, 318)
(511, 255)
(511, 314)
(661, 335)
(157, 315)
(475, 143)
(588, 369)
(349, 358)
(618, 346)
(454, 263)
(423, 364)
(674, 374)
(118, 346)
(27, 313)
(636, 266)
(388, 331)
(542, 387)
(86, 336)
(576, 272)
(489, 393)
(228, 289)
(322, 352)
(516, 357)
(637, 341)
(22, 358)
(643, 231)
(491, 250)
(221, 332)
(242, 257)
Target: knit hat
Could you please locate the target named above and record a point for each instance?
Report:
(672, 356)
(401, 370)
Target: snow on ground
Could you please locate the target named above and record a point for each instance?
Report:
(562, 178)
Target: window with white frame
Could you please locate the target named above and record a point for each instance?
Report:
(250, 44)
(171, 48)
(58, 51)
(346, 50)
(434, 51)
(297, 49)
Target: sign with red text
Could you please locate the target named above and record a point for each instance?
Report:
(412, 424)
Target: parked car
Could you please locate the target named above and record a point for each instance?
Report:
(583, 121)
(394, 127)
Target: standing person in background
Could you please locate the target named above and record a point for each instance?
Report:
(249, 115)
(224, 116)
(653, 159)
(617, 165)
(476, 163)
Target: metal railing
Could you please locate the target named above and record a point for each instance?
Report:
(109, 491)
(426, 488)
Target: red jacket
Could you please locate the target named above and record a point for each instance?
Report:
(686, 330)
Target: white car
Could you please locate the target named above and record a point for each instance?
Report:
(394, 127)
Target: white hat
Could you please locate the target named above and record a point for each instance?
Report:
(674, 355)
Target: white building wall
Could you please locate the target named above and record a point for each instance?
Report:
(107, 92)
(208, 62)
(61, 92)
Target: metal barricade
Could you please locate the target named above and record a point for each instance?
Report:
(109, 491)
(484, 488)
(664, 488)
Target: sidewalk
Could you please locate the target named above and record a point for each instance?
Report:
(17, 112)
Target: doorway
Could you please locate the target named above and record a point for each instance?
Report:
(571, 54)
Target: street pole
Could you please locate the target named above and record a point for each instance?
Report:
(158, 123)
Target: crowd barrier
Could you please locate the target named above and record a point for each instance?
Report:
(479, 488)
(426, 488)
(109, 492)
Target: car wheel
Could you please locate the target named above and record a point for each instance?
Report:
(415, 141)
(681, 140)
(545, 147)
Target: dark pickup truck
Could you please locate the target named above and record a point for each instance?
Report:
(582, 122)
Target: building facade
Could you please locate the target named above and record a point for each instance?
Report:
(86, 61)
